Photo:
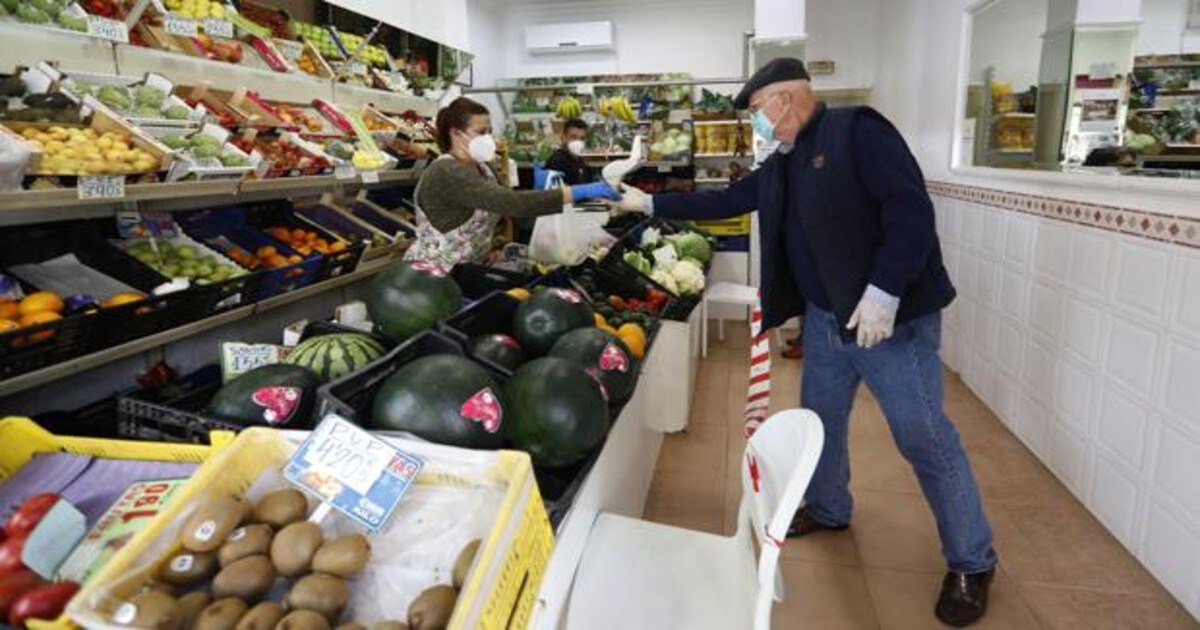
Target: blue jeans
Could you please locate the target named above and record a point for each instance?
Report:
(905, 375)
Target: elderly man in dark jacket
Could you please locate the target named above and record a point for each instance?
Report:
(848, 240)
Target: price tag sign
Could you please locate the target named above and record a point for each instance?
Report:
(355, 66)
(345, 171)
(218, 28)
(101, 186)
(370, 177)
(176, 25)
(104, 28)
(353, 471)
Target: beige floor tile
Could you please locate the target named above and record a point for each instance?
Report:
(1007, 473)
(828, 547)
(876, 464)
(1058, 608)
(1065, 546)
(700, 451)
(905, 600)
(683, 500)
(820, 595)
(896, 531)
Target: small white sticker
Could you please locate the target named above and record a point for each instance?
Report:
(237, 534)
(218, 28)
(101, 186)
(345, 171)
(206, 530)
(183, 563)
(370, 177)
(176, 25)
(125, 614)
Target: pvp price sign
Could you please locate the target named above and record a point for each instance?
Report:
(101, 186)
(176, 25)
(105, 28)
(353, 471)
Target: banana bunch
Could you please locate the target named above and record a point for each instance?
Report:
(568, 107)
(619, 107)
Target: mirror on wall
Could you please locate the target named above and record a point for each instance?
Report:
(1084, 86)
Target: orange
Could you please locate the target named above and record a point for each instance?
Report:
(610, 330)
(41, 301)
(600, 321)
(7, 325)
(634, 337)
(123, 298)
(293, 259)
(518, 293)
(299, 234)
(9, 310)
(39, 317)
(276, 261)
(266, 251)
(337, 246)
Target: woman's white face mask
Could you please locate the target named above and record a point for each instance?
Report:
(576, 147)
(482, 148)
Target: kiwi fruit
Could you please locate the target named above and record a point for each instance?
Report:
(222, 614)
(302, 620)
(281, 508)
(431, 610)
(190, 606)
(391, 625)
(343, 556)
(150, 609)
(320, 593)
(262, 617)
(248, 540)
(209, 526)
(185, 568)
(250, 579)
(462, 565)
(293, 548)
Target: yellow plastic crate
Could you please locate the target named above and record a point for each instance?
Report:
(739, 226)
(499, 593)
(23, 438)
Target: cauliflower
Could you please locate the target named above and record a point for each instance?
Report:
(665, 280)
(651, 237)
(691, 245)
(689, 276)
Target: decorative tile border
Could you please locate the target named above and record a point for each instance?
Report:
(1149, 225)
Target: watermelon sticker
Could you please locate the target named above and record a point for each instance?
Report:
(507, 341)
(567, 295)
(483, 408)
(428, 268)
(595, 374)
(613, 358)
(280, 403)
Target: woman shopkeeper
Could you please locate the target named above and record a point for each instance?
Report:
(460, 202)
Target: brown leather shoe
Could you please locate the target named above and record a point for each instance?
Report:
(964, 598)
(795, 352)
(803, 524)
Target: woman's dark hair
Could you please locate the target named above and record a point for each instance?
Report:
(456, 115)
(575, 123)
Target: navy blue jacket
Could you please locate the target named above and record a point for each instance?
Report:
(860, 202)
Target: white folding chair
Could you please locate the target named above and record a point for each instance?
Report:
(638, 574)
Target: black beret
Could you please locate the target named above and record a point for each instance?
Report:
(775, 70)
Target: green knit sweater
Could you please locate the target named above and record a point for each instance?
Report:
(452, 191)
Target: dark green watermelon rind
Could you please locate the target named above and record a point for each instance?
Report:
(531, 394)
(583, 347)
(403, 302)
(543, 318)
(232, 403)
(326, 354)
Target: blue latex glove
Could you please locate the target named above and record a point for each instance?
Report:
(596, 190)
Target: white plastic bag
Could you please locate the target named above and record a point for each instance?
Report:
(569, 238)
(14, 158)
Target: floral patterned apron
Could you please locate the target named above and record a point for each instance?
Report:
(468, 242)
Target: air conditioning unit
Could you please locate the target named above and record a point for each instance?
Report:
(546, 39)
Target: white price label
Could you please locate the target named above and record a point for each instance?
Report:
(370, 177)
(176, 25)
(218, 28)
(101, 186)
(348, 454)
(345, 171)
(104, 28)
(291, 50)
(356, 67)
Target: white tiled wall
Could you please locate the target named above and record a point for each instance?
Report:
(1086, 344)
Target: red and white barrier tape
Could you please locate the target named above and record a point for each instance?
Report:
(758, 396)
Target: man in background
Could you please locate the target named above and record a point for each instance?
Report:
(566, 158)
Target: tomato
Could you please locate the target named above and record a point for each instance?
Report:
(30, 514)
(10, 555)
(13, 586)
(44, 602)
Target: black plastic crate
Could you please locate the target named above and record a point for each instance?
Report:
(478, 281)
(35, 347)
(677, 309)
(173, 414)
(335, 264)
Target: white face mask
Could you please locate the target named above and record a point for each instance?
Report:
(482, 148)
(576, 147)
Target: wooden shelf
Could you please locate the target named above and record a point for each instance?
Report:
(710, 123)
(721, 155)
(96, 359)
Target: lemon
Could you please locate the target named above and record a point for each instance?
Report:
(54, 146)
(216, 11)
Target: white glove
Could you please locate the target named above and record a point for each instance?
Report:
(874, 317)
(632, 200)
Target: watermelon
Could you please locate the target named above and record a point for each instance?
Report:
(277, 395)
(557, 411)
(548, 315)
(334, 356)
(499, 349)
(443, 398)
(409, 297)
(603, 356)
